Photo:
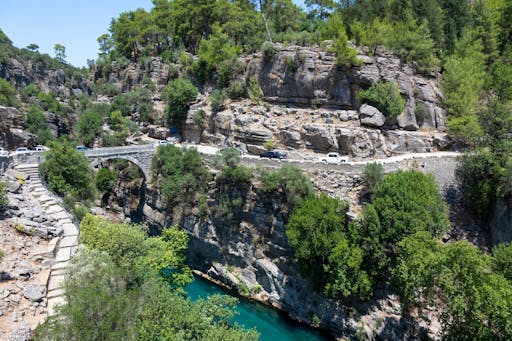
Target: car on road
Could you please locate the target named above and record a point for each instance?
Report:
(21, 150)
(274, 154)
(333, 158)
(160, 143)
(3, 152)
(82, 148)
(40, 148)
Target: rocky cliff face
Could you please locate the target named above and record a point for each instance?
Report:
(63, 83)
(310, 103)
(309, 77)
(246, 249)
(11, 129)
(501, 222)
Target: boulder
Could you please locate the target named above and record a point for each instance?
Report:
(33, 292)
(318, 137)
(371, 116)
(291, 138)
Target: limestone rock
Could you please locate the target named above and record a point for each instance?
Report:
(318, 137)
(371, 116)
(12, 134)
(33, 292)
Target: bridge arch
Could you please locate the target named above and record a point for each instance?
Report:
(96, 161)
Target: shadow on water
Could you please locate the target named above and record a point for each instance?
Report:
(270, 323)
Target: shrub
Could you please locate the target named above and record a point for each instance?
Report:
(269, 145)
(8, 94)
(106, 180)
(217, 99)
(291, 181)
(35, 122)
(67, 171)
(268, 50)
(236, 90)
(200, 118)
(385, 96)
(89, 126)
(291, 64)
(254, 90)
(229, 157)
(4, 201)
(235, 175)
(80, 211)
(180, 93)
(372, 174)
(421, 112)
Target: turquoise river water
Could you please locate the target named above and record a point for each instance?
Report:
(270, 323)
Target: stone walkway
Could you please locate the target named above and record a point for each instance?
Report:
(66, 245)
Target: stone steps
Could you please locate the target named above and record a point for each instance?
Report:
(62, 248)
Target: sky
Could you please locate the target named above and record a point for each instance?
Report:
(75, 24)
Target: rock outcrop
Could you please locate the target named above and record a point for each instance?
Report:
(501, 222)
(248, 126)
(12, 134)
(309, 76)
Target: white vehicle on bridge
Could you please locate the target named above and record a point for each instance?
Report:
(333, 158)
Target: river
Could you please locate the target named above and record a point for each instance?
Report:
(270, 323)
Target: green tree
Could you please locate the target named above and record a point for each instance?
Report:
(217, 99)
(476, 301)
(106, 180)
(502, 260)
(181, 174)
(192, 21)
(35, 122)
(386, 97)
(89, 126)
(372, 174)
(318, 236)
(60, 53)
(179, 94)
(8, 94)
(462, 84)
(406, 202)
(227, 157)
(67, 171)
(134, 252)
(335, 29)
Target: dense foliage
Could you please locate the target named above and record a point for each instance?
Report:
(67, 171)
(473, 300)
(345, 259)
(179, 95)
(289, 180)
(318, 233)
(179, 173)
(385, 97)
(8, 94)
(106, 180)
(127, 286)
(35, 122)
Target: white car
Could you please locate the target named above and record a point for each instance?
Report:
(333, 158)
(21, 150)
(160, 143)
(40, 148)
(3, 152)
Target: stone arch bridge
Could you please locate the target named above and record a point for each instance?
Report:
(140, 155)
